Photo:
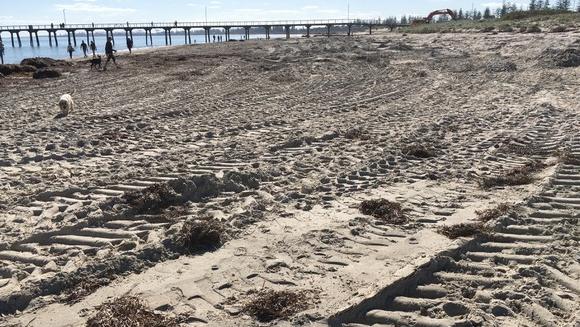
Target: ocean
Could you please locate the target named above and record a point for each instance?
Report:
(15, 55)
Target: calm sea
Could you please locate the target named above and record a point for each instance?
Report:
(15, 55)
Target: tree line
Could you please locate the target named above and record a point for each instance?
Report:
(507, 8)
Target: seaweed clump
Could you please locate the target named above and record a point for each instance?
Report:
(128, 311)
(384, 210)
(463, 230)
(200, 235)
(267, 305)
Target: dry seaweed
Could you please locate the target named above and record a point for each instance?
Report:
(419, 151)
(463, 230)
(84, 288)
(267, 305)
(384, 210)
(199, 235)
(151, 199)
(518, 176)
(128, 311)
(356, 133)
(494, 213)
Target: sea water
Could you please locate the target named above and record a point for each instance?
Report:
(16, 54)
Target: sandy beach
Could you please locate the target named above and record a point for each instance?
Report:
(279, 143)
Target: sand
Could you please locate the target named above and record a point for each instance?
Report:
(281, 141)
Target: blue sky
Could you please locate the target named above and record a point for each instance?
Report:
(13, 12)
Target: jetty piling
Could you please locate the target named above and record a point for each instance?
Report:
(109, 29)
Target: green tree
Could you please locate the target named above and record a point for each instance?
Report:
(547, 4)
(487, 13)
(533, 5)
(563, 5)
(504, 9)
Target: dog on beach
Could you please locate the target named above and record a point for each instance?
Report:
(96, 62)
(66, 104)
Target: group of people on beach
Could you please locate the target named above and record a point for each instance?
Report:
(109, 50)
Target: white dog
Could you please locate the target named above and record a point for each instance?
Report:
(66, 104)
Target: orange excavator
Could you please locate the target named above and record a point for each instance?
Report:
(429, 18)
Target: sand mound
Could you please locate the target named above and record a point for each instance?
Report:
(569, 57)
(46, 73)
(177, 192)
(14, 69)
(41, 62)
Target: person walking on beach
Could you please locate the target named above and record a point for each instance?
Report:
(70, 50)
(93, 48)
(110, 52)
(129, 44)
(2, 52)
(84, 47)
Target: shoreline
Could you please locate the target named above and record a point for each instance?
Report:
(78, 49)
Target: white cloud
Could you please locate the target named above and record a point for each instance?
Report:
(90, 7)
(494, 5)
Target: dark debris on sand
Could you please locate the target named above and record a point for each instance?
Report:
(494, 213)
(384, 210)
(518, 176)
(568, 57)
(267, 305)
(84, 288)
(151, 199)
(419, 151)
(128, 311)
(199, 235)
(357, 133)
(568, 159)
(463, 230)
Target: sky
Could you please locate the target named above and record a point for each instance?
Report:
(25, 12)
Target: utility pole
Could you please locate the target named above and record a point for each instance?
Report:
(348, 9)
